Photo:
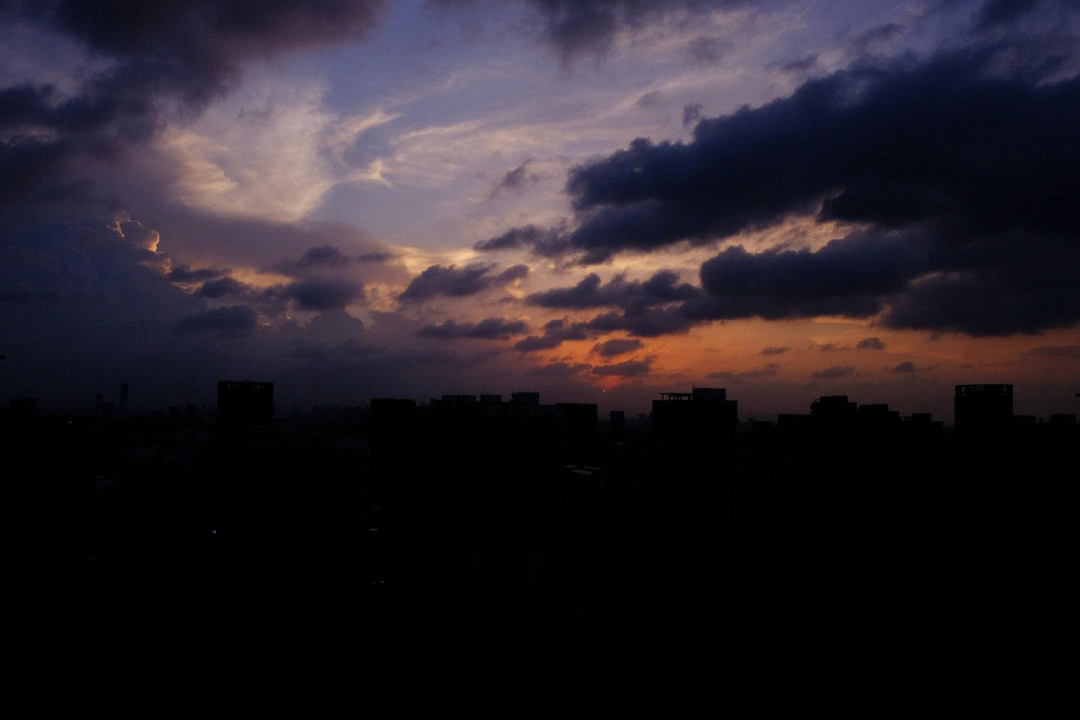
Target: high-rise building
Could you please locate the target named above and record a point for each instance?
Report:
(982, 406)
(245, 404)
(579, 421)
(694, 435)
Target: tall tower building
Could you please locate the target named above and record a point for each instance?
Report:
(245, 404)
(982, 406)
(694, 435)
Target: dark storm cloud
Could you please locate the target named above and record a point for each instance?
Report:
(515, 180)
(988, 286)
(559, 369)
(852, 276)
(994, 13)
(325, 256)
(617, 346)
(887, 145)
(189, 50)
(651, 322)
(834, 372)
(349, 349)
(801, 65)
(870, 343)
(1060, 352)
(320, 294)
(185, 275)
(222, 287)
(706, 50)
(92, 262)
(486, 329)
(771, 350)
(453, 281)
(649, 99)
(905, 367)
(147, 64)
(767, 371)
(627, 368)
(964, 176)
(962, 169)
(691, 113)
(542, 242)
(882, 33)
(537, 342)
(635, 296)
(579, 27)
(1017, 283)
(374, 257)
(196, 46)
(234, 321)
(555, 334)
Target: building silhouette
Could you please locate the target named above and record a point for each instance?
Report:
(693, 435)
(245, 404)
(982, 406)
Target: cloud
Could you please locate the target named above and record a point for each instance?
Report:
(486, 329)
(1002, 12)
(891, 145)
(321, 294)
(852, 276)
(221, 287)
(617, 346)
(649, 99)
(768, 370)
(958, 170)
(635, 296)
(705, 51)
(870, 343)
(879, 34)
(801, 65)
(148, 56)
(196, 46)
(373, 257)
(627, 368)
(691, 113)
(834, 372)
(542, 242)
(559, 369)
(453, 281)
(324, 256)
(233, 321)
(589, 27)
(183, 274)
(556, 332)
(905, 367)
(515, 180)
(321, 350)
(651, 322)
(772, 350)
(1059, 352)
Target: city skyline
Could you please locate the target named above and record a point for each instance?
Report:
(599, 200)
(246, 402)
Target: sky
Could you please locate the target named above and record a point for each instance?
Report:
(599, 200)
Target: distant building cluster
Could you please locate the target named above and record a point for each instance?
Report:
(487, 547)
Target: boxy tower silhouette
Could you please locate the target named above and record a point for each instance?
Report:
(245, 404)
(982, 406)
(694, 436)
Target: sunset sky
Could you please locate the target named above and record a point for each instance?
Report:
(599, 199)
